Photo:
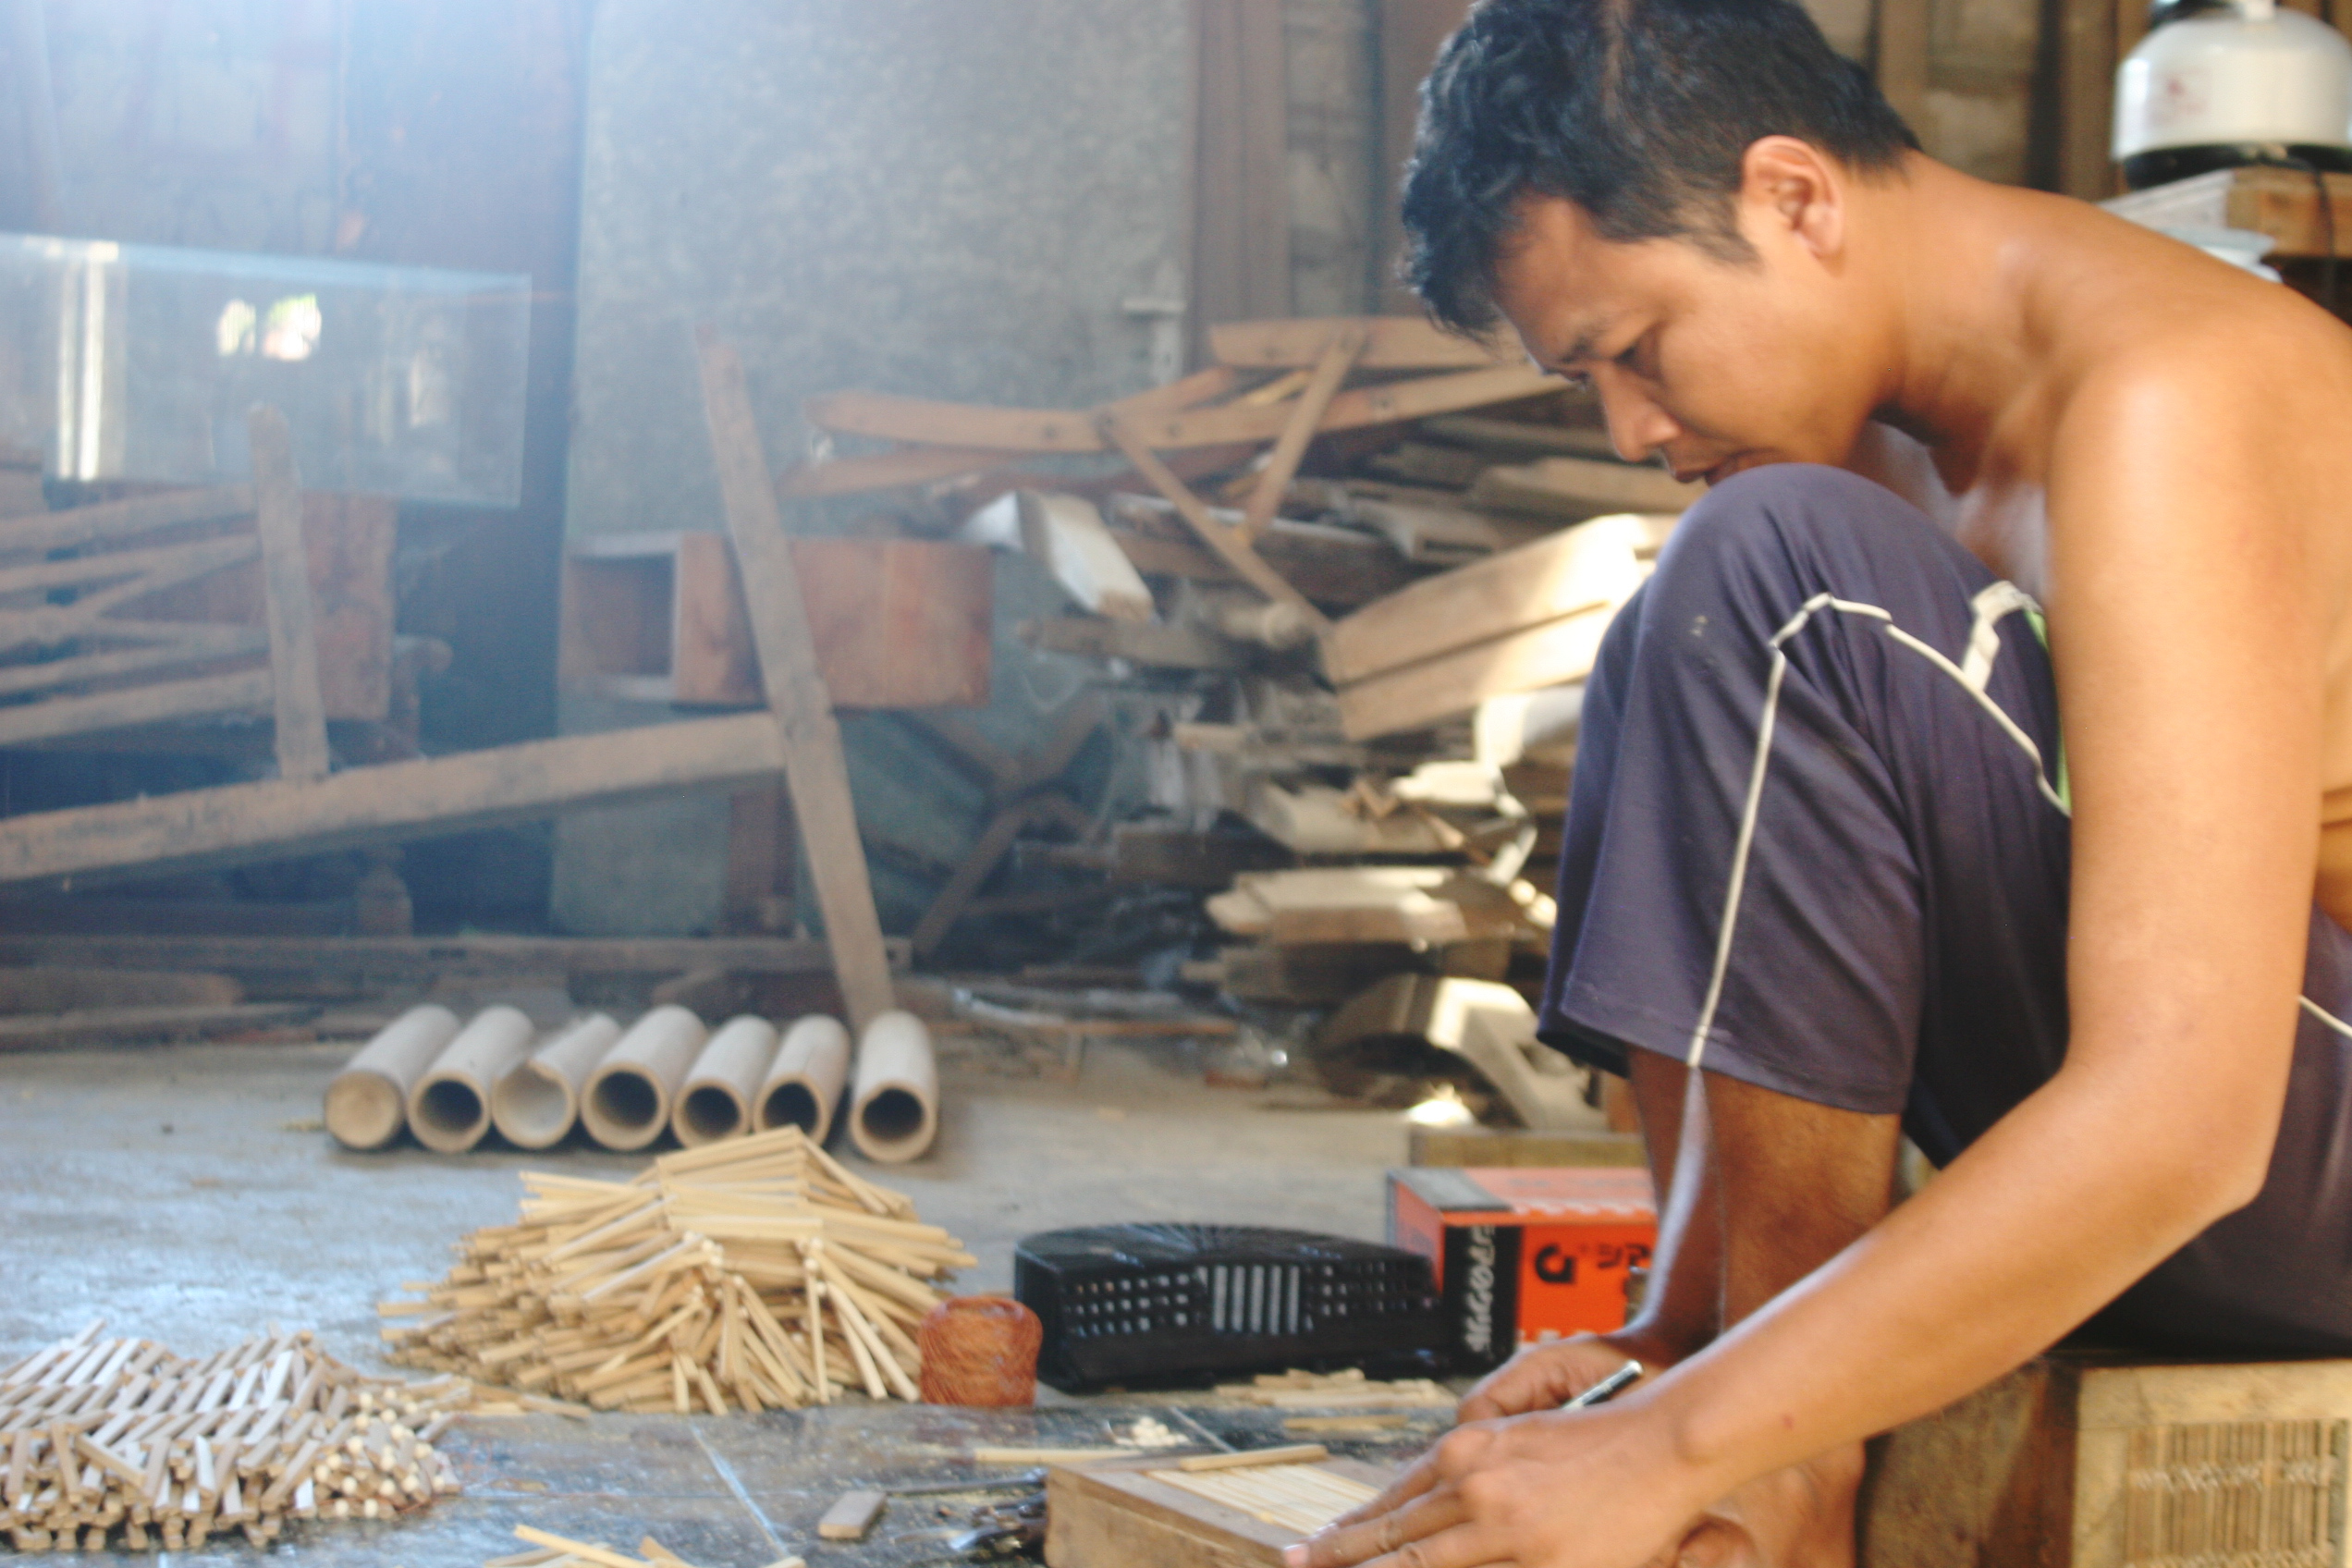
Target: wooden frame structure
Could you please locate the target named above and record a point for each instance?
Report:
(307, 808)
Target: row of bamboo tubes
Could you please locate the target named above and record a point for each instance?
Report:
(451, 1084)
(106, 1435)
(748, 1275)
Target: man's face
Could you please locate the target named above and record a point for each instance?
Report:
(1716, 365)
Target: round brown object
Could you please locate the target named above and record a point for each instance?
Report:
(980, 1349)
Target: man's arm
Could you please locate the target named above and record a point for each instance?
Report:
(2187, 614)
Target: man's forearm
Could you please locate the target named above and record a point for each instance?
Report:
(1683, 1311)
(2055, 1211)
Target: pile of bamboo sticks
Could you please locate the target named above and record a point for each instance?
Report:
(752, 1274)
(562, 1552)
(100, 1433)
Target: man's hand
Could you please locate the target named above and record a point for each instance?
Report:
(1560, 1489)
(1545, 1376)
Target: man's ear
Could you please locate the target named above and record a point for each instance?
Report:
(1788, 187)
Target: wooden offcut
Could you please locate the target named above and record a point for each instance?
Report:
(2088, 1460)
(1146, 1510)
(852, 1516)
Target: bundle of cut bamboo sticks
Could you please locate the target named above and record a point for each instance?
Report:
(752, 1274)
(100, 1433)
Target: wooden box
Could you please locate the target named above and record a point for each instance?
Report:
(899, 623)
(1115, 1515)
(2085, 1461)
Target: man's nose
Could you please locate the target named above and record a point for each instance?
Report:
(1637, 427)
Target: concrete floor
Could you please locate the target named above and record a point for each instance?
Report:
(188, 1196)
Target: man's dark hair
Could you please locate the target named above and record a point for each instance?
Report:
(1639, 111)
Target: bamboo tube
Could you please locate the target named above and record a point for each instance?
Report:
(804, 1084)
(724, 1083)
(535, 1106)
(894, 1109)
(629, 1096)
(450, 1103)
(367, 1104)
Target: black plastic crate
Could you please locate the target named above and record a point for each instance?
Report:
(1139, 1303)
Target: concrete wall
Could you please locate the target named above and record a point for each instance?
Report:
(922, 196)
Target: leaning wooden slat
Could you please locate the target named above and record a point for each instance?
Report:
(1344, 352)
(212, 696)
(802, 713)
(286, 598)
(201, 642)
(1229, 543)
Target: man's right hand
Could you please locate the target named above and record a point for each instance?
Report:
(1545, 1376)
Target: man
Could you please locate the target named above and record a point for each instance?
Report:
(1832, 871)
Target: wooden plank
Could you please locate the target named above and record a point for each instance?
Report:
(125, 519)
(1387, 403)
(1051, 430)
(412, 957)
(1417, 695)
(1902, 57)
(1578, 568)
(973, 426)
(128, 1025)
(811, 738)
(1389, 343)
(1189, 392)
(882, 471)
(1167, 647)
(246, 692)
(1232, 546)
(1065, 535)
(447, 794)
(1335, 566)
(200, 642)
(1241, 213)
(286, 584)
(1345, 348)
(899, 623)
(1578, 487)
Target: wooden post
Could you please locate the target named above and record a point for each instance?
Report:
(814, 765)
(2086, 96)
(1902, 57)
(286, 584)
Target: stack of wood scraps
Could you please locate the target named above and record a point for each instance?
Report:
(106, 1434)
(748, 1275)
(1336, 1391)
(551, 1551)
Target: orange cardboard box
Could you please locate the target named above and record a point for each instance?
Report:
(1524, 1255)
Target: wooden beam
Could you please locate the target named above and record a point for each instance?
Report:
(1389, 343)
(1169, 647)
(814, 762)
(286, 597)
(208, 697)
(406, 800)
(1581, 487)
(2086, 96)
(1230, 544)
(133, 1025)
(948, 905)
(1345, 348)
(201, 642)
(410, 958)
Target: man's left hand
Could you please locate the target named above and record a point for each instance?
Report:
(1558, 1490)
